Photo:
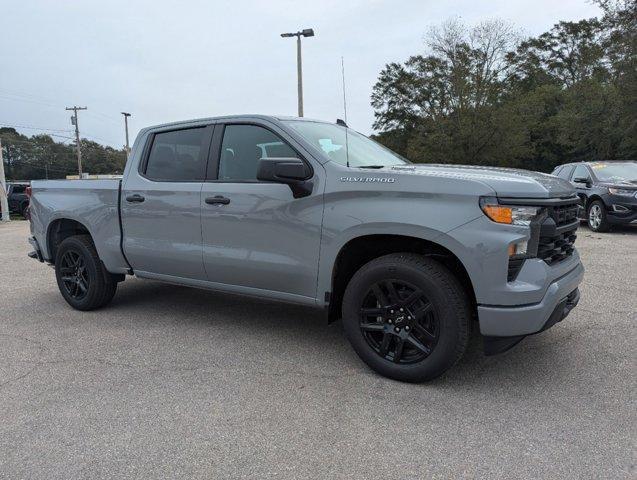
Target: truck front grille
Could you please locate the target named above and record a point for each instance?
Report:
(557, 233)
(552, 236)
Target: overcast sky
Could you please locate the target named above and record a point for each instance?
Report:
(170, 60)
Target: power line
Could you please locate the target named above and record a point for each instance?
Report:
(45, 167)
(50, 103)
(33, 127)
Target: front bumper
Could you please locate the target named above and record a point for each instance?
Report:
(622, 218)
(620, 209)
(521, 320)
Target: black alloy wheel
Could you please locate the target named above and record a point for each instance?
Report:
(82, 278)
(407, 316)
(75, 276)
(399, 322)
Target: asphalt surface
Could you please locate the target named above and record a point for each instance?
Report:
(171, 382)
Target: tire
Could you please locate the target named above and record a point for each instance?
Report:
(81, 277)
(596, 217)
(438, 320)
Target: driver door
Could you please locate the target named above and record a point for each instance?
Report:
(256, 235)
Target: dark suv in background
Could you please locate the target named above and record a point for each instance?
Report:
(608, 190)
(18, 199)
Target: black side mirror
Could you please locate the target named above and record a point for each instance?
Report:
(582, 180)
(291, 171)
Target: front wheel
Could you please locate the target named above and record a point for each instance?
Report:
(597, 218)
(81, 277)
(407, 317)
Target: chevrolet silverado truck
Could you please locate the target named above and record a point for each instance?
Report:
(410, 256)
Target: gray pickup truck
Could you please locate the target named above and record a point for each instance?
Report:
(411, 257)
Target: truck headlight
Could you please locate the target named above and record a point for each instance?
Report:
(623, 192)
(509, 214)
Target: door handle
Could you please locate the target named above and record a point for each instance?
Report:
(217, 200)
(135, 198)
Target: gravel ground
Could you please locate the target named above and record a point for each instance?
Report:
(171, 382)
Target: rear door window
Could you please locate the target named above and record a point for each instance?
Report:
(178, 155)
(565, 173)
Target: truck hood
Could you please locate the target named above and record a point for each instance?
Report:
(505, 182)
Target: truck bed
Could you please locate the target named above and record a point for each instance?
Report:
(92, 203)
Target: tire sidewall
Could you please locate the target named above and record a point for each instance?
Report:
(77, 246)
(444, 354)
(603, 226)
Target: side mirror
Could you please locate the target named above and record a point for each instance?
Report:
(291, 171)
(581, 180)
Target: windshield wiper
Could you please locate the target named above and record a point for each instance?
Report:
(372, 166)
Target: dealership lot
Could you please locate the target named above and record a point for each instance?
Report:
(175, 382)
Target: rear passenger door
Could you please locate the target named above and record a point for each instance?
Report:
(257, 235)
(161, 211)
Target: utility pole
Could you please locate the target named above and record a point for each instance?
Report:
(4, 201)
(126, 115)
(77, 137)
(308, 32)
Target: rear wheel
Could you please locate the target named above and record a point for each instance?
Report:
(407, 317)
(82, 279)
(597, 218)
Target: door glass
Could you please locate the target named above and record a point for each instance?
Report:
(580, 172)
(242, 148)
(178, 156)
(565, 173)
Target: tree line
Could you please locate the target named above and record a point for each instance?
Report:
(39, 156)
(483, 95)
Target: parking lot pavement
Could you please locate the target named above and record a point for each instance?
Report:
(171, 382)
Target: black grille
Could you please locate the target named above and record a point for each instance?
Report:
(565, 214)
(557, 233)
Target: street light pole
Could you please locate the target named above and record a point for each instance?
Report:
(308, 32)
(126, 115)
(299, 75)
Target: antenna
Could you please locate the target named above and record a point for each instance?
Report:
(345, 111)
(344, 98)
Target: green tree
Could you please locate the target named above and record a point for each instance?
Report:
(39, 156)
(481, 96)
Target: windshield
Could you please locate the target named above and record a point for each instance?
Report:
(615, 172)
(359, 150)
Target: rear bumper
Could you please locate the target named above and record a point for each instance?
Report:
(521, 320)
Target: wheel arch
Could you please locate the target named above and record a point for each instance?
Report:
(359, 250)
(592, 198)
(59, 230)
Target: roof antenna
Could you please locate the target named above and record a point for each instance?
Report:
(344, 123)
(344, 98)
